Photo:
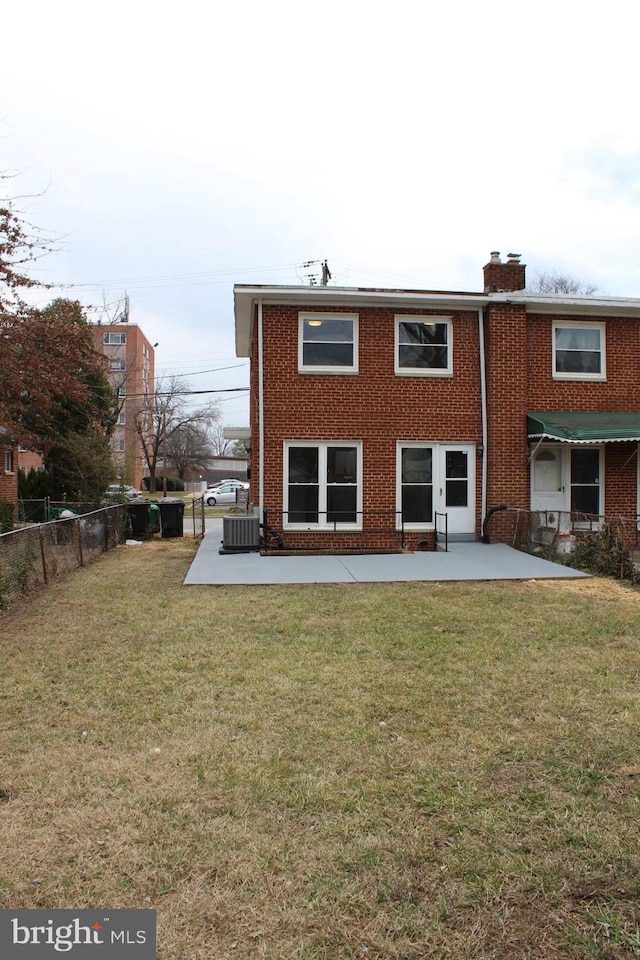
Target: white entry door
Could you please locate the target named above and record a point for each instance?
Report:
(548, 481)
(456, 494)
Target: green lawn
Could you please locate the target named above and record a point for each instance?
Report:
(319, 773)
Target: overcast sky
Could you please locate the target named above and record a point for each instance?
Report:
(178, 148)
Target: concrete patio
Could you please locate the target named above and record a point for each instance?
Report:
(463, 561)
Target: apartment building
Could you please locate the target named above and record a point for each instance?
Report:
(131, 371)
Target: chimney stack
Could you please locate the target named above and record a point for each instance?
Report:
(502, 277)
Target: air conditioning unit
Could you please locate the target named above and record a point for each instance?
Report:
(241, 532)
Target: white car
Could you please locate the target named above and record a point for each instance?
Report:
(224, 493)
(123, 490)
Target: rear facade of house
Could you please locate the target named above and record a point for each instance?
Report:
(381, 418)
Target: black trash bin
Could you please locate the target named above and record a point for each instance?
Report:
(139, 517)
(171, 516)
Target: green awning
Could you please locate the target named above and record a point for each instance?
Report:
(583, 427)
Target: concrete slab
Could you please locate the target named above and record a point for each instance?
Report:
(463, 561)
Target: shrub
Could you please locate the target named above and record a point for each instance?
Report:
(6, 517)
(604, 553)
(173, 483)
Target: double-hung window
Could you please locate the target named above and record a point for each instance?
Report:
(328, 343)
(424, 346)
(323, 485)
(579, 351)
(8, 461)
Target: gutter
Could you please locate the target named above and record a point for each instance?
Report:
(260, 415)
(483, 413)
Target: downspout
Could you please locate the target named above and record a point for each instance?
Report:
(483, 414)
(260, 415)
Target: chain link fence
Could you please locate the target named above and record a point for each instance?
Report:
(36, 554)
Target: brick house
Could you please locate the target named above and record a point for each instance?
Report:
(378, 415)
(8, 472)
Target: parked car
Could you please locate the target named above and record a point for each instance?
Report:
(223, 494)
(122, 490)
(219, 483)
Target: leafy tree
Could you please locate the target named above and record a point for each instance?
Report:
(49, 369)
(73, 433)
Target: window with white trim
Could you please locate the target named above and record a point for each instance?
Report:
(579, 351)
(323, 485)
(328, 343)
(121, 419)
(416, 484)
(424, 346)
(117, 364)
(114, 338)
(118, 446)
(8, 461)
(585, 480)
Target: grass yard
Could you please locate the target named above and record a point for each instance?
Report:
(350, 772)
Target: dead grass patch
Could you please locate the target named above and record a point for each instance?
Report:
(326, 772)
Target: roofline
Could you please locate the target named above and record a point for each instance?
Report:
(586, 306)
(246, 297)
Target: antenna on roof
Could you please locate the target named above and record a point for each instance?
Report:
(312, 277)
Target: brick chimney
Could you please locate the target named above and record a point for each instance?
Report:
(502, 277)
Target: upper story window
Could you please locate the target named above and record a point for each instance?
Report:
(328, 343)
(8, 461)
(118, 338)
(424, 346)
(116, 364)
(579, 351)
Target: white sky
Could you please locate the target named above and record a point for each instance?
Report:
(179, 148)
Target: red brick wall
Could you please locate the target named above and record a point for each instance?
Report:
(507, 405)
(378, 408)
(9, 481)
(375, 407)
(520, 374)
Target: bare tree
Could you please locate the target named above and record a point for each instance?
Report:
(553, 281)
(220, 446)
(189, 445)
(166, 414)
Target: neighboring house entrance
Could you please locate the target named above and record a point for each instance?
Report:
(437, 478)
(567, 478)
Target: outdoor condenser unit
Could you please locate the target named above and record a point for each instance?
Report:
(241, 533)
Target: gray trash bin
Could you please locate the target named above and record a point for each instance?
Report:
(171, 516)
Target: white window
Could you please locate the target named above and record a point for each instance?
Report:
(118, 338)
(118, 446)
(120, 391)
(416, 485)
(8, 461)
(116, 364)
(323, 485)
(579, 351)
(328, 343)
(436, 478)
(121, 419)
(424, 346)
